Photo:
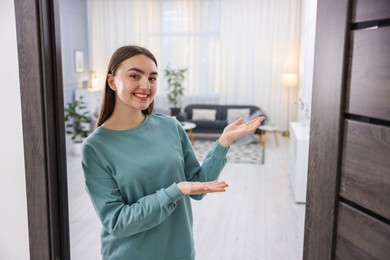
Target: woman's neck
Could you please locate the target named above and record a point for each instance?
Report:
(124, 121)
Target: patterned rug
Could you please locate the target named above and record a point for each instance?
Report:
(248, 154)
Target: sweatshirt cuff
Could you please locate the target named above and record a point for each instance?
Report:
(220, 150)
(173, 192)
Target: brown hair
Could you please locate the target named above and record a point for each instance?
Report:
(108, 101)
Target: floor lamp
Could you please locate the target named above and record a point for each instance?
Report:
(289, 80)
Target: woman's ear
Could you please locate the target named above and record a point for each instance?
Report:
(111, 82)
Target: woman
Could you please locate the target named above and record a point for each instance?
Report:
(140, 168)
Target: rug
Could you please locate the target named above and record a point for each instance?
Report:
(247, 154)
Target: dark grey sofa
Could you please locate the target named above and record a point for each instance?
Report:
(221, 116)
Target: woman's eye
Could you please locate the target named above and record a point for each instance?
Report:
(134, 76)
(153, 79)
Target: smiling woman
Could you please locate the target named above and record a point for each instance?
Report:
(131, 84)
(140, 202)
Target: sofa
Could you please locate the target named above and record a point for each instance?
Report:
(214, 118)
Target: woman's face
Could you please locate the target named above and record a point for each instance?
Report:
(135, 82)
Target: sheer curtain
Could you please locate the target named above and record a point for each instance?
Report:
(235, 50)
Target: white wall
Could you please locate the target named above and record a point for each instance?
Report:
(306, 64)
(14, 242)
(74, 36)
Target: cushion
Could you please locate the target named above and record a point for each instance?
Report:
(235, 113)
(203, 114)
(257, 113)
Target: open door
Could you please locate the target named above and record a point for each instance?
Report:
(347, 210)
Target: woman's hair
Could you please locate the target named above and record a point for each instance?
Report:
(120, 55)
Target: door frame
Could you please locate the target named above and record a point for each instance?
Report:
(40, 73)
(326, 128)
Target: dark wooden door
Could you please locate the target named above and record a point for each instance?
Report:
(39, 55)
(348, 196)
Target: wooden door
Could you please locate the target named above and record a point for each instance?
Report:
(39, 55)
(348, 206)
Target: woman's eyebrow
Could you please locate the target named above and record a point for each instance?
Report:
(142, 72)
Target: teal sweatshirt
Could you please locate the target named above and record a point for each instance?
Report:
(131, 178)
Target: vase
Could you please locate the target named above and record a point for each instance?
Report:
(175, 111)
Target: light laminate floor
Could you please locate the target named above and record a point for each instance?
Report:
(255, 219)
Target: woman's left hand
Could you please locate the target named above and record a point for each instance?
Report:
(237, 130)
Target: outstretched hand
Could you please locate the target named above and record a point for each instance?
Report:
(237, 130)
(192, 188)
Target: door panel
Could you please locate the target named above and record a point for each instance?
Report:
(369, 93)
(365, 173)
(360, 236)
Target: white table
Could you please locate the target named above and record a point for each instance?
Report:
(270, 129)
(188, 126)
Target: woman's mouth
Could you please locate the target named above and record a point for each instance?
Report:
(141, 95)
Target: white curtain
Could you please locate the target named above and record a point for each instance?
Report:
(235, 50)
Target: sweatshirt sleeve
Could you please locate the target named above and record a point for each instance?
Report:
(211, 167)
(118, 217)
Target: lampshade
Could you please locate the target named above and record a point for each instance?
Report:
(289, 79)
(94, 80)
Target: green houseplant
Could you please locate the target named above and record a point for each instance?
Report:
(175, 79)
(77, 120)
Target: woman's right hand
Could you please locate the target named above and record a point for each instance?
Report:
(192, 188)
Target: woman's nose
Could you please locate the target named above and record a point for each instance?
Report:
(144, 82)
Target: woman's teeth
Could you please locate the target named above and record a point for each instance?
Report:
(141, 95)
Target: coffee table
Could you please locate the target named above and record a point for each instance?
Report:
(270, 129)
(188, 126)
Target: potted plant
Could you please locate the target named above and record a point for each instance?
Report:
(175, 79)
(77, 123)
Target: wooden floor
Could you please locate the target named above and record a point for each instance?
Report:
(255, 219)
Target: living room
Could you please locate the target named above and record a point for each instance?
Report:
(230, 80)
(200, 36)
(346, 211)
(257, 54)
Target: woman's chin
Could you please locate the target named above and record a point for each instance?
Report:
(143, 107)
